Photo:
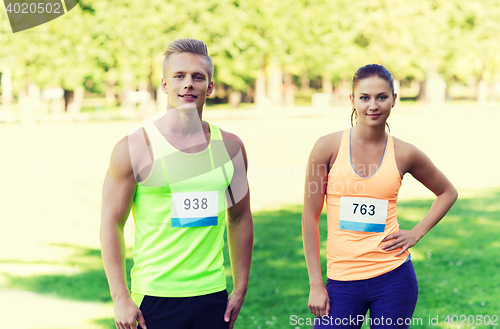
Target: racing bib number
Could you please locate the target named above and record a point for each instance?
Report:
(194, 209)
(363, 214)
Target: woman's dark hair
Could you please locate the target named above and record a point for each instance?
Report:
(368, 71)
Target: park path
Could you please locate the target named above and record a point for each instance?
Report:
(52, 175)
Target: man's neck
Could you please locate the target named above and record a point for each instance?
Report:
(183, 123)
(184, 129)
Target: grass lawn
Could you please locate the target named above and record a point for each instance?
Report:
(457, 266)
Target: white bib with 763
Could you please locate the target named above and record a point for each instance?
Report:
(363, 214)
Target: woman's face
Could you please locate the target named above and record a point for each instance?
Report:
(373, 100)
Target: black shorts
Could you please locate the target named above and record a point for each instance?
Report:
(198, 312)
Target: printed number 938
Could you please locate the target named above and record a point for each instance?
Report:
(195, 204)
(364, 209)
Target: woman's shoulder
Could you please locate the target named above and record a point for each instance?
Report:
(404, 148)
(406, 154)
(330, 140)
(327, 147)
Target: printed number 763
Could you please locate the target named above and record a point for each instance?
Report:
(363, 209)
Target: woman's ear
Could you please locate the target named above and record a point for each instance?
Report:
(394, 99)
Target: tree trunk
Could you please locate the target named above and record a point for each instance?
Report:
(235, 98)
(144, 104)
(397, 88)
(161, 100)
(493, 95)
(421, 91)
(327, 85)
(260, 89)
(275, 85)
(151, 87)
(342, 94)
(110, 86)
(289, 90)
(75, 105)
(249, 95)
(26, 104)
(57, 107)
(7, 95)
(304, 81)
(127, 107)
(434, 89)
(25, 109)
(68, 98)
(482, 94)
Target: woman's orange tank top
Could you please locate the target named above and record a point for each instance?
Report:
(361, 212)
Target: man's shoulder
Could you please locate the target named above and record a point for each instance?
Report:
(226, 135)
(121, 151)
(120, 164)
(132, 152)
(234, 145)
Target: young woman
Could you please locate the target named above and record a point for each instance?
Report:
(360, 171)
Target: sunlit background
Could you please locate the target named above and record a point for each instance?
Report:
(71, 88)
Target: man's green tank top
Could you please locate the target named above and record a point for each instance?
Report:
(179, 213)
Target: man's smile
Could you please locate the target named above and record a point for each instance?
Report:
(188, 96)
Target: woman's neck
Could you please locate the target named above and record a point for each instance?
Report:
(367, 134)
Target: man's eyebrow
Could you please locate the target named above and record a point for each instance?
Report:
(184, 72)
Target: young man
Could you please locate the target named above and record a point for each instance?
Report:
(179, 175)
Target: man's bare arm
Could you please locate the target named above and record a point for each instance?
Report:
(239, 230)
(117, 196)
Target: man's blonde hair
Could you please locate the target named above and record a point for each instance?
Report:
(191, 46)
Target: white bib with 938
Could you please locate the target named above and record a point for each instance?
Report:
(363, 214)
(194, 209)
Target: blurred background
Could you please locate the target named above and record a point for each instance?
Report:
(71, 88)
(105, 56)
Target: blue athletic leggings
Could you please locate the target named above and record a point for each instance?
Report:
(390, 297)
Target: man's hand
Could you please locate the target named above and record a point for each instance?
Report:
(319, 302)
(127, 314)
(402, 239)
(233, 308)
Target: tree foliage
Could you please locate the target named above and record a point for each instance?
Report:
(326, 38)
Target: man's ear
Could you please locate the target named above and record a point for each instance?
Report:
(164, 86)
(210, 88)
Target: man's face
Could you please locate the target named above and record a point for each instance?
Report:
(186, 81)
